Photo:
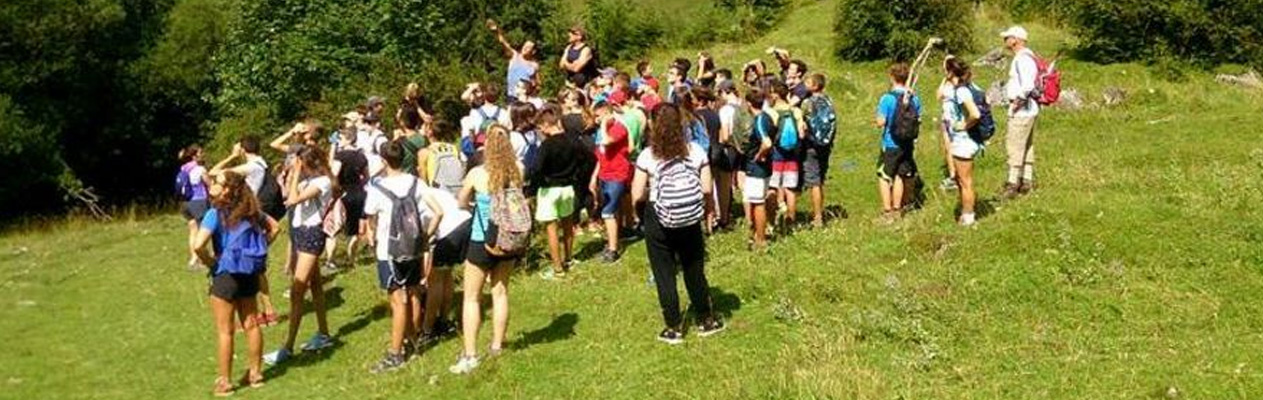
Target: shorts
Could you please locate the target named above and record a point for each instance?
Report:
(307, 239)
(554, 203)
(477, 254)
(354, 203)
(963, 147)
(816, 166)
(784, 175)
(450, 251)
(194, 210)
(611, 195)
(234, 286)
(754, 190)
(392, 276)
(896, 162)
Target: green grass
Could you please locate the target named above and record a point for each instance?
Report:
(1135, 268)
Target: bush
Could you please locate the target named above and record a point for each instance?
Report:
(1199, 32)
(620, 30)
(869, 30)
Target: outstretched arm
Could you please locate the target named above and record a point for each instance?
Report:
(504, 43)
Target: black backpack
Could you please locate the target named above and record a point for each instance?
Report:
(907, 120)
(270, 199)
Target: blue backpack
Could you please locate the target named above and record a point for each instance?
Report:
(244, 251)
(698, 134)
(184, 183)
(985, 128)
(787, 131)
(824, 120)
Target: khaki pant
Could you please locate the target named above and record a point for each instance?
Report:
(1020, 141)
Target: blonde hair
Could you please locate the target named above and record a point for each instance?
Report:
(500, 161)
(412, 91)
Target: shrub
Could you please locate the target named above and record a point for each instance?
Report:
(620, 30)
(874, 29)
(1200, 32)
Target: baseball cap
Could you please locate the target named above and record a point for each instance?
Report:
(1014, 32)
(375, 100)
(608, 72)
(351, 116)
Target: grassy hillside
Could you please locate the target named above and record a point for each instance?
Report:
(1133, 272)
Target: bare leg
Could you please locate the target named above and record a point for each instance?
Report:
(471, 312)
(265, 294)
(221, 311)
(193, 226)
(791, 209)
(817, 204)
(249, 313)
(554, 246)
(885, 187)
(611, 234)
(897, 194)
(398, 319)
(965, 177)
(500, 303)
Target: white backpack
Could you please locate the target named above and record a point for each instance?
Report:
(680, 201)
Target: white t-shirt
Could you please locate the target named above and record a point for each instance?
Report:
(256, 168)
(453, 215)
(697, 159)
(1022, 74)
(728, 116)
(470, 123)
(378, 204)
(311, 212)
(520, 142)
(369, 142)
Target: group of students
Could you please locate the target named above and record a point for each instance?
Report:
(966, 126)
(642, 159)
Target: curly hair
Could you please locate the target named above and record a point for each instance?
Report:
(500, 160)
(237, 202)
(668, 139)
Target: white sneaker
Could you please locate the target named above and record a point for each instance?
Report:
(464, 365)
(968, 220)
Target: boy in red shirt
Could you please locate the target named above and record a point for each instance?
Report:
(613, 170)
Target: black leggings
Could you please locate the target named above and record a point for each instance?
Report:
(670, 250)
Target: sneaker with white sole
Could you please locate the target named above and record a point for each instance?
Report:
(391, 362)
(318, 341)
(464, 365)
(671, 336)
(277, 357)
(710, 326)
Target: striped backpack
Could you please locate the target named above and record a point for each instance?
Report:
(680, 199)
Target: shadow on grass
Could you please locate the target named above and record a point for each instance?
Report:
(589, 248)
(303, 359)
(724, 303)
(561, 328)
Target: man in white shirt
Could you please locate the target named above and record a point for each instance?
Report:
(1023, 111)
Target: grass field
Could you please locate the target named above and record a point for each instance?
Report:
(1135, 271)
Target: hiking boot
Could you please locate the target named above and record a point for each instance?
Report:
(1026, 187)
(389, 363)
(671, 336)
(710, 326)
(1010, 191)
(609, 256)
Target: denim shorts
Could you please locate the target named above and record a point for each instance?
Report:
(611, 196)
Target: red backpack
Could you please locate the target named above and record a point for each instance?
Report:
(1047, 81)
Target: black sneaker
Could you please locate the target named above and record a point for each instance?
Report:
(671, 336)
(390, 363)
(609, 256)
(443, 327)
(710, 326)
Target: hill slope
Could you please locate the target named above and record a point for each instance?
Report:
(1134, 270)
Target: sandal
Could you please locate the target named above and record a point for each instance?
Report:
(251, 380)
(222, 387)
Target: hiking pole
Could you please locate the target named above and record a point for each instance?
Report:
(920, 60)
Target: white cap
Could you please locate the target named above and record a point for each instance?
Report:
(1014, 32)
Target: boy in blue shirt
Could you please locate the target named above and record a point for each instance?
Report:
(895, 165)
